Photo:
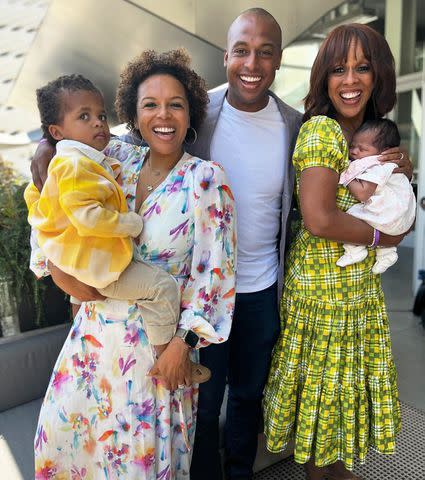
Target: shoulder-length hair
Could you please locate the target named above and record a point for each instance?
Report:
(334, 51)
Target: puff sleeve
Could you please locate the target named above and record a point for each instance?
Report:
(320, 144)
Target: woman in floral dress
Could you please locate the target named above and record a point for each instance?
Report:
(105, 416)
(332, 385)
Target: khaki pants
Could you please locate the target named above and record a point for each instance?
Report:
(158, 294)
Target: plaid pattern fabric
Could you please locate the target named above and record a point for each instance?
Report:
(332, 385)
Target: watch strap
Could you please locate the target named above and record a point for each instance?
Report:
(188, 336)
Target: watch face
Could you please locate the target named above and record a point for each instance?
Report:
(191, 339)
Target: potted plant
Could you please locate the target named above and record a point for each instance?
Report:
(39, 303)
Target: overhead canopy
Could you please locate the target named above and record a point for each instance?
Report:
(97, 38)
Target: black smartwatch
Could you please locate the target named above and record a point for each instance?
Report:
(188, 336)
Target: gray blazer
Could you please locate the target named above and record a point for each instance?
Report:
(292, 120)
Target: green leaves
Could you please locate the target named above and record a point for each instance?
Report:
(14, 242)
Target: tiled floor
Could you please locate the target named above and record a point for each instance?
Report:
(408, 462)
(408, 340)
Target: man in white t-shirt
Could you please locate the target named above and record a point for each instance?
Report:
(252, 134)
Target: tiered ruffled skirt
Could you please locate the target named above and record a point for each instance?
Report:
(332, 385)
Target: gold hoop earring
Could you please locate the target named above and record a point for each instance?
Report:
(195, 135)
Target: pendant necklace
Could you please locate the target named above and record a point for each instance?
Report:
(152, 172)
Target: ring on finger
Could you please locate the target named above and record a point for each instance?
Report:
(402, 156)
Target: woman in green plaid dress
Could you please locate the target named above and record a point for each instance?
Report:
(332, 385)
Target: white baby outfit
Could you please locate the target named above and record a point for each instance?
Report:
(391, 209)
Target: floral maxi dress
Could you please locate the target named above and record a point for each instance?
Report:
(332, 384)
(102, 417)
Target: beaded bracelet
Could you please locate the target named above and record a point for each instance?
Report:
(376, 237)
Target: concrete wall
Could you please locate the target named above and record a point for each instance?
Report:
(97, 38)
(210, 20)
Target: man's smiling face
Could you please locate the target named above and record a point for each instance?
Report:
(252, 57)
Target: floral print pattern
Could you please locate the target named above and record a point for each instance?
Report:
(102, 416)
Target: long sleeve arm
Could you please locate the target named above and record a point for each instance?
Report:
(83, 191)
(38, 261)
(209, 296)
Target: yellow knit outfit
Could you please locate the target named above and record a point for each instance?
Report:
(81, 217)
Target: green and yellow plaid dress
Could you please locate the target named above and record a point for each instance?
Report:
(332, 385)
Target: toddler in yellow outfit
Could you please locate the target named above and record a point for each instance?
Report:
(80, 218)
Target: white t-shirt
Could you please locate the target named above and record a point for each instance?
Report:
(252, 148)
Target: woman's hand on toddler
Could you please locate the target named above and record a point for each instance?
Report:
(40, 163)
(72, 286)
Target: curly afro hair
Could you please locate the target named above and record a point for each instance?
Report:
(49, 99)
(175, 63)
